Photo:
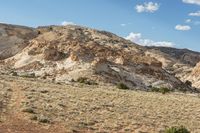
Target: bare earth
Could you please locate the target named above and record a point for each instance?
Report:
(32, 106)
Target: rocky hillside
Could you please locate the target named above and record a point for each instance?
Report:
(182, 56)
(194, 76)
(13, 39)
(68, 53)
(179, 62)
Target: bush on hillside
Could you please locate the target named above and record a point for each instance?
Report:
(180, 129)
(87, 81)
(122, 86)
(28, 75)
(162, 90)
(13, 73)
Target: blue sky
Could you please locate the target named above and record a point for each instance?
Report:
(154, 22)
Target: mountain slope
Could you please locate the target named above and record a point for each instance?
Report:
(63, 54)
(180, 62)
(194, 76)
(182, 56)
(13, 39)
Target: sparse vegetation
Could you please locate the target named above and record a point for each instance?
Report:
(180, 129)
(13, 73)
(28, 110)
(122, 86)
(28, 75)
(34, 118)
(87, 81)
(162, 90)
(72, 80)
(43, 119)
(82, 108)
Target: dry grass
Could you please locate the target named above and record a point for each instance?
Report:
(83, 108)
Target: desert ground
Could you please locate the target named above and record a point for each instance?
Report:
(38, 106)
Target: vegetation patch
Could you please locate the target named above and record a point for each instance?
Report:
(28, 110)
(13, 73)
(162, 90)
(180, 129)
(28, 75)
(86, 81)
(43, 119)
(122, 86)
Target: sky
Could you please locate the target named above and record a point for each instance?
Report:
(173, 23)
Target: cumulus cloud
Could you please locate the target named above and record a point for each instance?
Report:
(183, 27)
(123, 25)
(147, 7)
(64, 23)
(196, 14)
(194, 22)
(197, 2)
(188, 20)
(137, 38)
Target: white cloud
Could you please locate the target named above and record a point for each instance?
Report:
(182, 27)
(123, 25)
(134, 37)
(197, 2)
(147, 7)
(64, 23)
(137, 38)
(197, 14)
(188, 20)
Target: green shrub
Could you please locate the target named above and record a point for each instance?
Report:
(180, 129)
(87, 81)
(82, 79)
(122, 86)
(34, 117)
(13, 73)
(44, 119)
(28, 75)
(28, 110)
(162, 90)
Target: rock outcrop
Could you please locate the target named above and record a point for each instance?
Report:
(179, 62)
(65, 53)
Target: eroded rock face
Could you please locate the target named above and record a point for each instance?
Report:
(13, 39)
(179, 62)
(196, 70)
(183, 56)
(194, 76)
(69, 52)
